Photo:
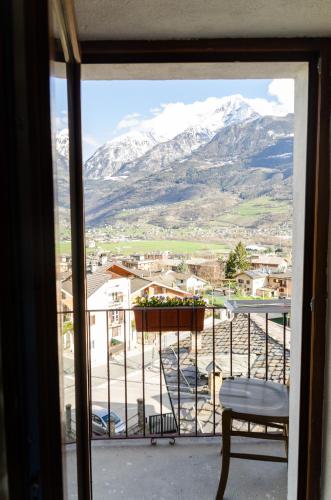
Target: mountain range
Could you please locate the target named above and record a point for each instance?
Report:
(209, 170)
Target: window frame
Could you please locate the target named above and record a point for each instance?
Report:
(315, 52)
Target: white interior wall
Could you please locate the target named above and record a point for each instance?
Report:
(299, 184)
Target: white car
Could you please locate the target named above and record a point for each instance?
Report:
(100, 418)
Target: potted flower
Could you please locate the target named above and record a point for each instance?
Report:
(169, 314)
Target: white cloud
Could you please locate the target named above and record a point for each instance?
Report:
(62, 120)
(283, 90)
(90, 140)
(172, 118)
(129, 121)
(155, 111)
(264, 107)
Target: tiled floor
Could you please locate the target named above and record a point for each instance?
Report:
(189, 470)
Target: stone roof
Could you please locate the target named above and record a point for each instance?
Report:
(284, 276)
(252, 274)
(222, 335)
(94, 281)
(207, 414)
(138, 284)
(269, 259)
(240, 347)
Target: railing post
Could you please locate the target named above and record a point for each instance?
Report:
(140, 410)
(195, 341)
(111, 426)
(214, 384)
(68, 420)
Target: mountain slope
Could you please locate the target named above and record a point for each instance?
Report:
(127, 153)
(110, 157)
(242, 161)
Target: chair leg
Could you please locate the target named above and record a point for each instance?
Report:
(226, 429)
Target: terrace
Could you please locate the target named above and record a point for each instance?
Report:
(165, 390)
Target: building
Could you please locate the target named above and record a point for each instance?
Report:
(185, 281)
(141, 264)
(281, 283)
(141, 287)
(209, 270)
(250, 281)
(269, 263)
(108, 293)
(156, 255)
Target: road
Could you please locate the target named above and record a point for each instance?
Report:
(117, 387)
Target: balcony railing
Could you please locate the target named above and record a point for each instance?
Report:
(166, 383)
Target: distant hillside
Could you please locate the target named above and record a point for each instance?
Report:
(241, 162)
(233, 168)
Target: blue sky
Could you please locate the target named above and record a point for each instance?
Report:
(106, 104)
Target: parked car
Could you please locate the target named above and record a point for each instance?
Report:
(100, 418)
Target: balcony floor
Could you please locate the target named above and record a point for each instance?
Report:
(135, 470)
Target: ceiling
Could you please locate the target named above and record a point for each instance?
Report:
(185, 19)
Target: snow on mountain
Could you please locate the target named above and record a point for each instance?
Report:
(62, 142)
(164, 153)
(213, 114)
(109, 158)
(171, 135)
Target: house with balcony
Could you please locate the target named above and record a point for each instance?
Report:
(281, 283)
(249, 282)
(108, 296)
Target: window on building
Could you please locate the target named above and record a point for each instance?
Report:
(116, 331)
(114, 316)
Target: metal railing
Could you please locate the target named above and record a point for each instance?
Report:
(165, 424)
(163, 377)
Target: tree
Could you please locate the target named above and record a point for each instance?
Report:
(241, 257)
(237, 261)
(231, 266)
(182, 267)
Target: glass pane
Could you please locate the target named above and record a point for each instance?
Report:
(188, 191)
(60, 151)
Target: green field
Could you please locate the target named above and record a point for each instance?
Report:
(261, 206)
(142, 246)
(252, 210)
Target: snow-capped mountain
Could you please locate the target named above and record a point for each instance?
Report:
(164, 140)
(109, 158)
(62, 142)
(242, 161)
(217, 157)
(232, 109)
(164, 153)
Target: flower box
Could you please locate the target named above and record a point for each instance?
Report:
(156, 319)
